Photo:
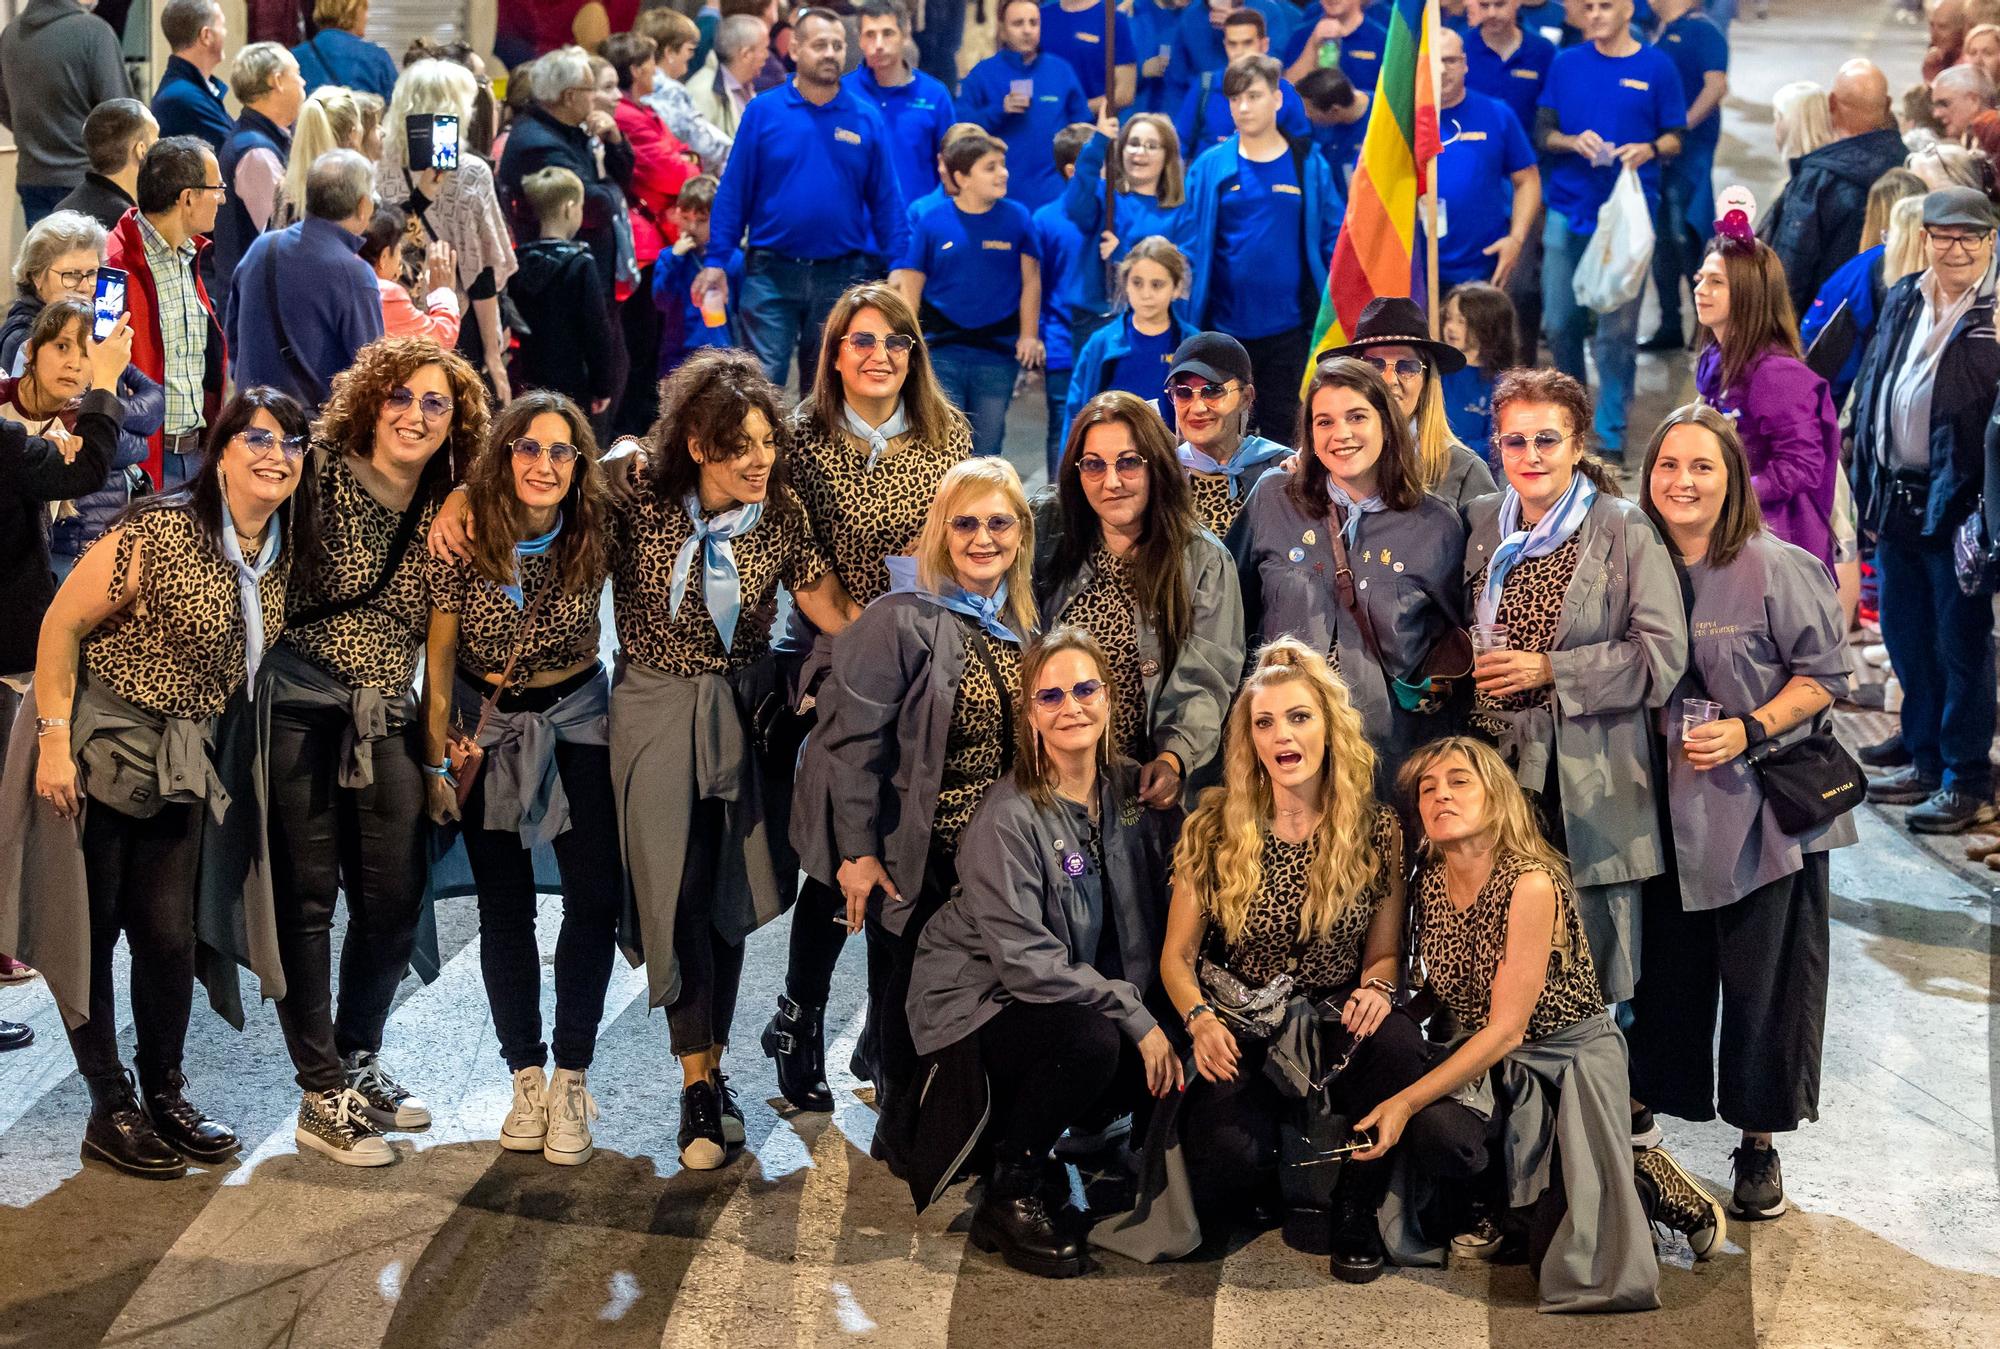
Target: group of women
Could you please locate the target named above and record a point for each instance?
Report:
(1004, 708)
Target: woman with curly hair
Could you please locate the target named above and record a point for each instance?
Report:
(347, 793)
(511, 658)
(1291, 869)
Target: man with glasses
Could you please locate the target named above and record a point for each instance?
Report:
(161, 243)
(1920, 414)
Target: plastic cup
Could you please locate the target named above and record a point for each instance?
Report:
(1489, 637)
(1021, 88)
(1697, 712)
(713, 315)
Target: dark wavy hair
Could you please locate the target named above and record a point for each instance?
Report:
(1396, 480)
(347, 423)
(580, 554)
(704, 403)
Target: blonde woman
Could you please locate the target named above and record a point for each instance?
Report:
(1801, 120)
(329, 119)
(914, 727)
(1291, 867)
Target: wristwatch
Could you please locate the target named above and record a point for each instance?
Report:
(1194, 1012)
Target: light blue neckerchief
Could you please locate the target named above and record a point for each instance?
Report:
(721, 585)
(528, 548)
(990, 614)
(1253, 451)
(1355, 509)
(878, 437)
(1517, 545)
(252, 598)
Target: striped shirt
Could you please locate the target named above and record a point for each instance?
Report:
(183, 328)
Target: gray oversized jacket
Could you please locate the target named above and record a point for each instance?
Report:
(1620, 648)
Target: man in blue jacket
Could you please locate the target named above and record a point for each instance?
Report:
(1024, 96)
(916, 107)
(304, 302)
(1263, 218)
(189, 99)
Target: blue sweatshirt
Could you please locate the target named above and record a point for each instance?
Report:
(1057, 100)
(917, 113)
(681, 327)
(1136, 217)
(335, 56)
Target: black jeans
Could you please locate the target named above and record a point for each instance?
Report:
(142, 876)
(1279, 364)
(593, 882)
(1052, 1065)
(815, 943)
(890, 960)
(711, 966)
(366, 842)
(638, 319)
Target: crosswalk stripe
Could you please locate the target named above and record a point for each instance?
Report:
(27, 1075)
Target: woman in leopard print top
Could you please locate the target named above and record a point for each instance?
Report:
(915, 725)
(162, 624)
(346, 747)
(1291, 868)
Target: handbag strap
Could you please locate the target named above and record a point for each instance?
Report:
(1344, 589)
(975, 642)
(492, 700)
(406, 532)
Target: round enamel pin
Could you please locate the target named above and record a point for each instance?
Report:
(1297, 555)
(1072, 864)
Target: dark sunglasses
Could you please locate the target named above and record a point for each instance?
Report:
(897, 344)
(1083, 691)
(259, 441)
(1407, 366)
(527, 449)
(1129, 466)
(1205, 390)
(1545, 442)
(432, 405)
(999, 526)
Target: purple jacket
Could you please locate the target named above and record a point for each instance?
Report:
(1791, 434)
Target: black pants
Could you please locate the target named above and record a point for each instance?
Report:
(326, 839)
(142, 876)
(1765, 958)
(711, 966)
(815, 943)
(593, 884)
(890, 960)
(1052, 1065)
(1278, 364)
(635, 411)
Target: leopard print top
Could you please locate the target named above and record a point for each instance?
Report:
(1108, 610)
(1263, 950)
(859, 515)
(1213, 505)
(564, 634)
(1461, 950)
(178, 649)
(374, 645)
(648, 535)
(1531, 605)
(978, 730)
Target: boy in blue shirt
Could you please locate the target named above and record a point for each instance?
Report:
(1686, 215)
(686, 325)
(1203, 117)
(1074, 30)
(1024, 96)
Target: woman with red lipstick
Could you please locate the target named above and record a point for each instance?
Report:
(1214, 398)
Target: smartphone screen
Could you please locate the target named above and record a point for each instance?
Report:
(417, 126)
(109, 304)
(444, 141)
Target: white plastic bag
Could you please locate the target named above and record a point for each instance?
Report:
(1613, 268)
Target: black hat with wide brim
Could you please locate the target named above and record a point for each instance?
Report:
(1394, 321)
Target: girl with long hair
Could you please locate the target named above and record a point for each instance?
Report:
(1350, 555)
(1480, 321)
(914, 727)
(1143, 157)
(329, 119)
(1121, 555)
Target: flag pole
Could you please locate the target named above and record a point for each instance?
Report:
(1433, 302)
(1111, 166)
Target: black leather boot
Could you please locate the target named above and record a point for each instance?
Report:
(120, 1135)
(1357, 1244)
(796, 1040)
(1014, 1220)
(183, 1127)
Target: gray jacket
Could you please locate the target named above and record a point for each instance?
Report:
(57, 62)
(868, 782)
(1466, 478)
(1185, 705)
(1020, 927)
(1620, 647)
(1408, 575)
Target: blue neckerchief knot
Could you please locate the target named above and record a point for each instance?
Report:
(989, 614)
(721, 585)
(1253, 451)
(529, 548)
(878, 437)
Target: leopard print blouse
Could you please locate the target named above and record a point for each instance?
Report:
(1108, 609)
(1213, 505)
(374, 645)
(976, 735)
(178, 649)
(648, 534)
(564, 634)
(1461, 950)
(1264, 949)
(1531, 605)
(859, 515)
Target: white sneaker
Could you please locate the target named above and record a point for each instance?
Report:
(527, 1122)
(571, 1109)
(337, 1124)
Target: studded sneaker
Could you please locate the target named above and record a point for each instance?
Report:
(337, 1124)
(526, 1127)
(386, 1101)
(571, 1109)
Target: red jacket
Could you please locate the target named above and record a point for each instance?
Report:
(127, 250)
(661, 165)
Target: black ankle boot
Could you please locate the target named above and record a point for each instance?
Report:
(183, 1127)
(1014, 1220)
(1356, 1256)
(120, 1135)
(796, 1040)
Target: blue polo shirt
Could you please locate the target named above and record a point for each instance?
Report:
(917, 113)
(1360, 51)
(1218, 123)
(1696, 46)
(1483, 146)
(1059, 247)
(971, 266)
(1623, 99)
(1546, 20)
(1056, 101)
(1261, 232)
(809, 181)
(1516, 80)
(1142, 370)
(1079, 39)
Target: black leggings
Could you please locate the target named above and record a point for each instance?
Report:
(142, 876)
(1052, 1065)
(890, 960)
(366, 842)
(815, 943)
(711, 966)
(593, 884)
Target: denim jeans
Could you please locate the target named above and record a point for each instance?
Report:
(981, 384)
(177, 470)
(786, 301)
(1941, 644)
(939, 39)
(38, 202)
(1617, 343)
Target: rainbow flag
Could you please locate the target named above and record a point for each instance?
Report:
(1377, 250)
